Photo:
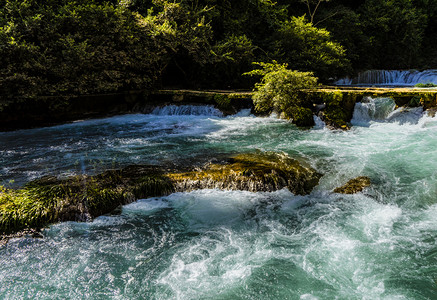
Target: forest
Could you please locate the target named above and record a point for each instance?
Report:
(77, 47)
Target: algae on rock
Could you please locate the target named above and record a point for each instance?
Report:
(260, 171)
(339, 107)
(77, 198)
(354, 186)
(81, 198)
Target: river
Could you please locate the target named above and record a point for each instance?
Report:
(212, 244)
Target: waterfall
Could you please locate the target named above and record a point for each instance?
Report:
(391, 78)
(193, 110)
(383, 110)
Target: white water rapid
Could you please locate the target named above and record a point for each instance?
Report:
(211, 244)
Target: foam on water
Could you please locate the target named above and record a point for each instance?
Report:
(377, 110)
(211, 244)
(372, 109)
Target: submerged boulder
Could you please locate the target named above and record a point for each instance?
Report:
(81, 198)
(260, 171)
(354, 186)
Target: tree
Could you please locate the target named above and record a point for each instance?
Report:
(395, 32)
(308, 48)
(81, 47)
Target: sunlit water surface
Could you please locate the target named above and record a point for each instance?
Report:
(211, 244)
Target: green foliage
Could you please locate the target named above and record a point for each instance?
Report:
(231, 57)
(308, 48)
(395, 30)
(426, 85)
(80, 47)
(279, 89)
(301, 116)
(66, 48)
(87, 47)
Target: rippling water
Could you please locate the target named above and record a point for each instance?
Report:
(211, 244)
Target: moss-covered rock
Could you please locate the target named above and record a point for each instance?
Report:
(301, 116)
(260, 171)
(78, 198)
(339, 108)
(335, 118)
(432, 112)
(428, 100)
(81, 198)
(354, 186)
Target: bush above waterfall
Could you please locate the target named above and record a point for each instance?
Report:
(278, 91)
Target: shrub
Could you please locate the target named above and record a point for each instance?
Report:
(279, 89)
(426, 85)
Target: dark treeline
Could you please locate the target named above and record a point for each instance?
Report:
(72, 47)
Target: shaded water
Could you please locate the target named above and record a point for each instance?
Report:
(210, 244)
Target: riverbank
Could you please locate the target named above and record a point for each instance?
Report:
(48, 111)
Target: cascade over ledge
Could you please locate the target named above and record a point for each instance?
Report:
(81, 198)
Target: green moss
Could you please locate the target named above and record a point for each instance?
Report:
(426, 85)
(301, 116)
(223, 102)
(428, 100)
(414, 101)
(339, 106)
(49, 199)
(260, 171)
(78, 198)
(336, 117)
(152, 185)
(28, 207)
(353, 186)
(333, 98)
(101, 201)
(239, 96)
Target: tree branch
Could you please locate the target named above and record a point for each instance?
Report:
(328, 17)
(314, 11)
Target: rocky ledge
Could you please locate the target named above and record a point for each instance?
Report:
(81, 198)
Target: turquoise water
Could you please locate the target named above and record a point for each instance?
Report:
(211, 244)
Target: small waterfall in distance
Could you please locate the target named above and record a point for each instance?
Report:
(191, 110)
(391, 78)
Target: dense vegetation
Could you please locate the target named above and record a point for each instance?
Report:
(71, 47)
(279, 90)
